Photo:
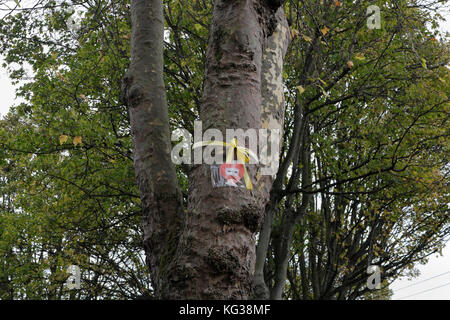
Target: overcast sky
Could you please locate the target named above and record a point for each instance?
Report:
(434, 280)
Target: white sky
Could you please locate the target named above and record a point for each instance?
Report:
(436, 266)
(7, 93)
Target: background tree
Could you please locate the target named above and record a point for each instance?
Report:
(343, 196)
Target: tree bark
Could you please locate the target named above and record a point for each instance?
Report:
(273, 109)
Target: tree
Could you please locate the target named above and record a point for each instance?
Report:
(73, 200)
(360, 101)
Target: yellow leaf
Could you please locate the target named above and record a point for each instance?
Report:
(359, 56)
(77, 140)
(300, 89)
(63, 138)
(307, 39)
(349, 64)
(325, 30)
(294, 33)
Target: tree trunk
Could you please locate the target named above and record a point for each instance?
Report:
(145, 96)
(272, 118)
(208, 250)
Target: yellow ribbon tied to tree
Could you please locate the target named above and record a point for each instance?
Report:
(243, 155)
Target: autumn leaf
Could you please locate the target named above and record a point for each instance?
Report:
(324, 30)
(77, 140)
(306, 38)
(337, 3)
(63, 139)
(359, 57)
(300, 89)
(350, 64)
(294, 33)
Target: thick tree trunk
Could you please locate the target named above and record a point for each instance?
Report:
(223, 221)
(207, 251)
